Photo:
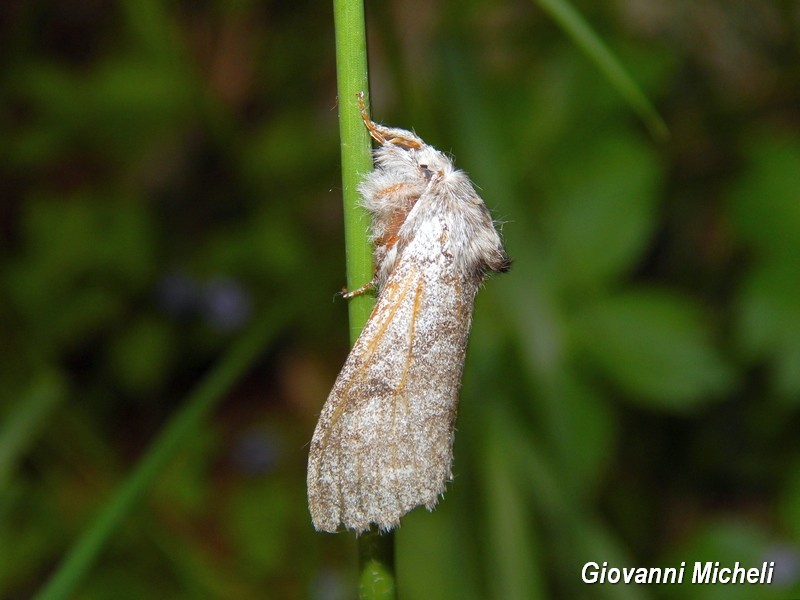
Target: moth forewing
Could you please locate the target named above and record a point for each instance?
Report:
(383, 443)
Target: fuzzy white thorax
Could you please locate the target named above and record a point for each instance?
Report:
(424, 183)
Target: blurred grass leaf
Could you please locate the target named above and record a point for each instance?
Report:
(515, 563)
(208, 392)
(580, 537)
(576, 27)
(588, 436)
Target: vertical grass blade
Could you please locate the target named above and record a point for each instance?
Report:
(351, 74)
(376, 550)
(208, 393)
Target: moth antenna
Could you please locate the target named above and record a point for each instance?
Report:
(371, 125)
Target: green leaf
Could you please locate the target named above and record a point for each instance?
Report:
(766, 199)
(765, 208)
(768, 322)
(655, 346)
(605, 212)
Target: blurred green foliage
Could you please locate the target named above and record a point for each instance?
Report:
(169, 171)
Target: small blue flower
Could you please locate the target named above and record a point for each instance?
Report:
(226, 304)
(256, 453)
(787, 564)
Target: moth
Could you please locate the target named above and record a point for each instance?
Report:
(383, 444)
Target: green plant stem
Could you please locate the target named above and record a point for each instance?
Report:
(208, 393)
(376, 550)
(376, 565)
(351, 74)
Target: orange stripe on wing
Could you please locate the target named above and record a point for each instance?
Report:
(394, 303)
(412, 328)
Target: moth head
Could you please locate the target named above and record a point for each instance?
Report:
(431, 163)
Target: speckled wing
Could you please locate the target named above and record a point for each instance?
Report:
(383, 443)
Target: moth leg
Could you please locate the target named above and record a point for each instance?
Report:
(370, 285)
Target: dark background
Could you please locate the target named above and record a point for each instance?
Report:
(169, 172)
